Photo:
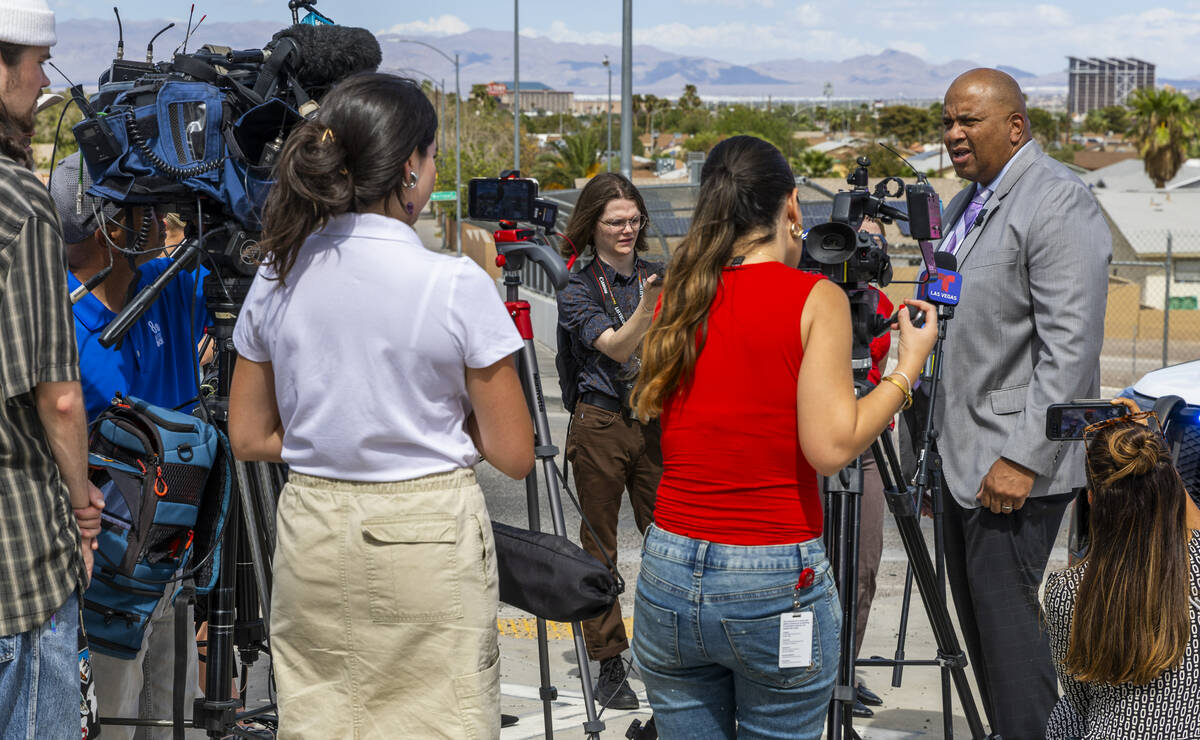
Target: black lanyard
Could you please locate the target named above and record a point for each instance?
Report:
(606, 291)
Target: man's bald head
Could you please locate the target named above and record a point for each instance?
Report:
(984, 123)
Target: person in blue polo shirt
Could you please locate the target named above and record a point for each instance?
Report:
(156, 362)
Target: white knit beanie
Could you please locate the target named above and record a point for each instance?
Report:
(27, 22)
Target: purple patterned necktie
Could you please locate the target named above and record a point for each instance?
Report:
(967, 222)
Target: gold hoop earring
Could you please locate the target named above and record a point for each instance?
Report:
(797, 230)
(412, 180)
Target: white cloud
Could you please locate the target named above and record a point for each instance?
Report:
(443, 25)
(1051, 15)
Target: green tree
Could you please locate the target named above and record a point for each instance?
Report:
(905, 124)
(812, 163)
(47, 129)
(1044, 127)
(578, 156)
(1110, 119)
(703, 141)
(690, 100)
(1163, 124)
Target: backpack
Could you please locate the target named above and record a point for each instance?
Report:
(569, 360)
(165, 478)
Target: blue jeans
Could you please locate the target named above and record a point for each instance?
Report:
(39, 678)
(706, 638)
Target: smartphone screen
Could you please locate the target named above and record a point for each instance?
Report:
(1065, 421)
(493, 199)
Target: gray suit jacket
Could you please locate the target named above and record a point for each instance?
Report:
(1028, 328)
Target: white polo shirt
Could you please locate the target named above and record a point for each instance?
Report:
(369, 340)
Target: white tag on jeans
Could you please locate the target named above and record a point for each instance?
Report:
(795, 639)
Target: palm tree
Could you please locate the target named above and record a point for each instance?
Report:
(577, 156)
(1163, 123)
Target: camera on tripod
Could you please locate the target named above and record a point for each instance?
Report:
(846, 255)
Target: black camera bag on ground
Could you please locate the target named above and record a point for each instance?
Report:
(551, 577)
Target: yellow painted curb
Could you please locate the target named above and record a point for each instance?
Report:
(525, 628)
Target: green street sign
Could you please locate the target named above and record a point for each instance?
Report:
(442, 195)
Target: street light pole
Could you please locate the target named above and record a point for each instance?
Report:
(457, 138)
(516, 87)
(608, 151)
(457, 161)
(626, 88)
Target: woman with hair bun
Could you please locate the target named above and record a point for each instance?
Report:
(748, 366)
(379, 371)
(1124, 624)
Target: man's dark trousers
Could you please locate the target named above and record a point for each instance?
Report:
(995, 564)
(611, 453)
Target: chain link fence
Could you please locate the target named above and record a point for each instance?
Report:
(1153, 316)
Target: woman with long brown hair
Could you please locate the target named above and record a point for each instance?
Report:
(604, 311)
(379, 371)
(1124, 622)
(748, 365)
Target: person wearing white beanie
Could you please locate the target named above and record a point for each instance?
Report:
(26, 35)
(46, 556)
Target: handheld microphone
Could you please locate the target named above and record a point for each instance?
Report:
(946, 288)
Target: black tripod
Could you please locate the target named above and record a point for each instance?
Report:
(843, 493)
(514, 247)
(239, 603)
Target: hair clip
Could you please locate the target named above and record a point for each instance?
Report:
(327, 135)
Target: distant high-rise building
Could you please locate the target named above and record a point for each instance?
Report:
(1098, 83)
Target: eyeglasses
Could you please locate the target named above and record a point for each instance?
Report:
(634, 223)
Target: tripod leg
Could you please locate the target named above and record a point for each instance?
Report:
(545, 451)
(843, 501)
(902, 637)
(950, 652)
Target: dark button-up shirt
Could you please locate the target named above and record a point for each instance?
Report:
(586, 319)
(40, 562)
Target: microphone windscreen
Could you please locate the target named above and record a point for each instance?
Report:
(945, 261)
(329, 54)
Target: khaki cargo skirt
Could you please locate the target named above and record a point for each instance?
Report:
(383, 615)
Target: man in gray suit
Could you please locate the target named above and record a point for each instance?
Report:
(1033, 249)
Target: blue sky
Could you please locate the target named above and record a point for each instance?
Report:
(1033, 36)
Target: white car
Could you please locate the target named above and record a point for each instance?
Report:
(1181, 380)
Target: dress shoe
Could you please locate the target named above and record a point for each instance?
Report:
(868, 697)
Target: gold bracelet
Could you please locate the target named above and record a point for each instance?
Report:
(907, 396)
(907, 379)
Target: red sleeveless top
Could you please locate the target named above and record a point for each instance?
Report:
(733, 471)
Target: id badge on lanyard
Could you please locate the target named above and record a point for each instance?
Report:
(796, 629)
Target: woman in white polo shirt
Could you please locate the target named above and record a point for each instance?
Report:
(379, 371)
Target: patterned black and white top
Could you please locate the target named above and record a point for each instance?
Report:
(1167, 707)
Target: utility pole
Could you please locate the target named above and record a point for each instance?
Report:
(608, 151)
(516, 87)
(626, 88)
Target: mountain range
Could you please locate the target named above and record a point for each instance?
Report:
(85, 47)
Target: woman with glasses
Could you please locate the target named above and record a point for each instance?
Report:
(1124, 624)
(749, 366)
(605, 311)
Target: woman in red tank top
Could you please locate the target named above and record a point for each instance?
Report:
(748, 366)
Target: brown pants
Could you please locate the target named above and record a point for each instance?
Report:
(611, 454)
